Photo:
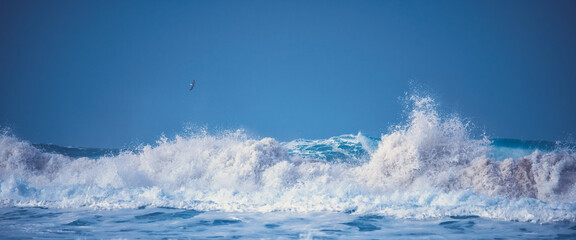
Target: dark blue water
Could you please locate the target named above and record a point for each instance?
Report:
(169, 223)
(78, 152)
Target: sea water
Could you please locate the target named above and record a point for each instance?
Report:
(427, 178)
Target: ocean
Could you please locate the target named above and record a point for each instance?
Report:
(426, 178)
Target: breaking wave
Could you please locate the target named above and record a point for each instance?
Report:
(428, 167)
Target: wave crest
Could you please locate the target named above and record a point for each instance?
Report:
(430, 166)
(435, 152)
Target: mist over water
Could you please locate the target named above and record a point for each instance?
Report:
(428, 167)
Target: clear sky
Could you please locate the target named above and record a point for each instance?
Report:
(114, 73)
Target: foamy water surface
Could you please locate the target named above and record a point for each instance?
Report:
(429, 177)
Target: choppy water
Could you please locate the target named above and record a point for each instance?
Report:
(427, 178)
(170, 223)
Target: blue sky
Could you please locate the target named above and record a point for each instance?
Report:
(115, 73)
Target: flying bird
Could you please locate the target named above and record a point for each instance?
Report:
(192, 84)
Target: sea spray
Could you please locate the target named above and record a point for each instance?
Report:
(435, 152)
(429, 167)
(428, 151)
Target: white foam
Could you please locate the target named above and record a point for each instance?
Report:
(428, 167)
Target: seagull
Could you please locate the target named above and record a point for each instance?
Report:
(192, 84)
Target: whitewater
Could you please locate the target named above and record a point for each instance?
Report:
(427, 178)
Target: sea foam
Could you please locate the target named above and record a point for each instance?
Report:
(428, 167)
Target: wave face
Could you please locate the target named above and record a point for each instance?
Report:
(428, 167)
